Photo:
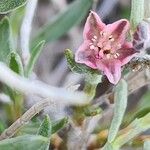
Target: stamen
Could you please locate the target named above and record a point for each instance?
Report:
(95, 37)
(102, 33)
(116, 55)
(92, 47)
(108, 56)
(93, 40)
(111, 38)
(106, 52)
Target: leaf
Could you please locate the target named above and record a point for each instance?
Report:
(56, 126)
(92, 111)
(146, 145)
(26, 142)
(9, 5)
(76, 67)
(34, 56)
(5, 39)
(15, 63)
(137, 127)
(16, 18)
(45, 128)
(120, 99)
(137, 13)
(61, 24)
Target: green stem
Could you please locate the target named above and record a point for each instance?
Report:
(91, 82)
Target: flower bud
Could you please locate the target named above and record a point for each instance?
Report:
(141, 37)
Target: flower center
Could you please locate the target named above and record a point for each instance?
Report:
(102, 47)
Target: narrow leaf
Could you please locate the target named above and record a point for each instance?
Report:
(45, 127)
(26, 142)
(146, 145)
(92, 111)
(34, 56)
(137, 127)
(61, 24)
(56, 126)
(120, 99)
(15, 63)
(5, 39)
(137, 13)
(9, 5)
(76, 67)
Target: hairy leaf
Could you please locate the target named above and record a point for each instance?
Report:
(120, 99)
(15, 63)
(45, 128)
(34, 56)
(5, 39)
(9, 5)
(26, 142)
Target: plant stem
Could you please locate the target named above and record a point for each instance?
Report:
(26, 117)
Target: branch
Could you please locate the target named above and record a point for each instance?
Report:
(41, 89)
(26, 117)
(26, 29)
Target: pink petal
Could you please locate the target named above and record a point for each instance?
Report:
(118, 30)
(111, 68)
(93, 26)
(126, 53)
(85, 55)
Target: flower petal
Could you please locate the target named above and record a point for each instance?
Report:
(85, 55)
(118, 30)
(126, 53)
(111, 68)
(93, 26)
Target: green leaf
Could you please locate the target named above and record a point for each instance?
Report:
(16, 18)
(120, 99)
(137, 13)
(56, 126)
(9, 5)
(146, 145)
(137, 127)
(34, 56)
(75, 13)
(92, 111)
(45, 128)
(76, 67)
(15, 63)
(26, 142)
(5, 39)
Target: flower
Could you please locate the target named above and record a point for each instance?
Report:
(105, 47)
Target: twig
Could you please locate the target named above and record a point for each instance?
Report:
(41, 89)
(25, 118)
(26, 29)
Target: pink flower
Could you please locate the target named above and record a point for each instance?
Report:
(105, 47)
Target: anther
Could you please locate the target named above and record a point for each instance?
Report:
(95, 37)
(92, 47)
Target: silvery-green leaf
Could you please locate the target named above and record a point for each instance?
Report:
(120, 99)
(34, 56)
(5, 39)
(9, 5)
(26, 142)
(45, 128)
(15, 63)
(146, 145)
